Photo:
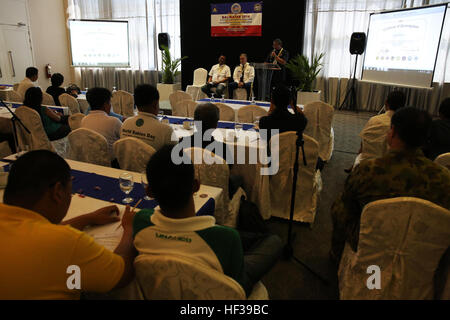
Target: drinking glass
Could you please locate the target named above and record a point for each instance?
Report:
(238, 128)
(114, 89)
(160, 115)
(223, 98)
(126, 185)
(144, 183)
(212, 97)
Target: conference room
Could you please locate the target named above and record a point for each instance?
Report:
(259, 151)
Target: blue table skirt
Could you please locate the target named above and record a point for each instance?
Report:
(261, 104)
(221, 125)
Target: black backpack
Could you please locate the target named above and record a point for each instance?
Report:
(249, 219)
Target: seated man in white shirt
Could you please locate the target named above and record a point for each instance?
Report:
(146, 126)
(243, 76)
(98, 119)
(218, 78)
(373, 136)
(31, 76)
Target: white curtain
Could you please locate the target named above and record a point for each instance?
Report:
(328, 27)
(146, 18)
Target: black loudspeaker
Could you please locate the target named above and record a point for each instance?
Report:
(358, 43)
(163, 40)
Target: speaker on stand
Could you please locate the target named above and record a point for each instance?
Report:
(357, 47)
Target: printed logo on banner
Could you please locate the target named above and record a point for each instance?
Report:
(236, 8)
(258, 7)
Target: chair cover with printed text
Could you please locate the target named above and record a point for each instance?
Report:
(444, 160)
(70, 102)
(177, 278)
(89, 146)
(38, 139)
(227, 113)
(320, 119)
(406, 238)
(249, 114)
(308, 181)
(184, 108)
(133, 154)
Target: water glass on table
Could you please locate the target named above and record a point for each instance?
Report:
(126, 183)
(144, 183)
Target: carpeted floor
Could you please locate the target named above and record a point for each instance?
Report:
(289, 279)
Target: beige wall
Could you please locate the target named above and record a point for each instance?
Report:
(49, 39)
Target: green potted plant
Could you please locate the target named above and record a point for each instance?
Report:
(304, 74)
(170, 71)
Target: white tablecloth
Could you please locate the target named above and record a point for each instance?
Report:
(4, 113)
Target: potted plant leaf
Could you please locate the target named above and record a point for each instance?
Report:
(169, 73)
(304, 75)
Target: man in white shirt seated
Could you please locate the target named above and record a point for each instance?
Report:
(243, 76)
(32, 74)
(146, 126)
(98, 119)
(373, 136)
(218, 78)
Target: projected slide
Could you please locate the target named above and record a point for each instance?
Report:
(402, 46)
(99, 43)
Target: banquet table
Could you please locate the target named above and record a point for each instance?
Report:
(92, 183)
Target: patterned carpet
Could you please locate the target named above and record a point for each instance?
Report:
(290, 280)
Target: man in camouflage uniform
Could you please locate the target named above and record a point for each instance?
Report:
(403, 172)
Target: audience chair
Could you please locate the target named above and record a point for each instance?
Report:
(166, 277)
(241, 94)
(123, 103)
(16, 86)
(70, 102)
(178, 96)
(249, 114)
(227, 113)
(47, 99)
(38, 139)
(133, 154)
(14, 96)
(374, 143)
(444, 160)
(216, 175)
(200, 78)
(309, 182)
(406, 238)
(89, 146)
(184, 108)
(75, 121)
(320, 119)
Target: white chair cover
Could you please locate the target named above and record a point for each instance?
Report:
(217, 175)
(75, 121)
(184, 108)
(123, 103)
(406, 238)
(5, 150)
(241, 94)
(162, 277)
(133, 154)
(374, 143)
(70, 102)
(47, 99)
(248, 114)
(16, 86)
(227, 113)
(178, 96)
(444, 160)
(200, 76)
(88, 146)
(38, 139)
(320, 119)
(308, 182)
(14, 96)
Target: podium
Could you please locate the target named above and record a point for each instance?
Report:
(264, 73)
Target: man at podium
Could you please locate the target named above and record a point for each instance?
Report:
(279, 56)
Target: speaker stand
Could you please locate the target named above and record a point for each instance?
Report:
(350, 97)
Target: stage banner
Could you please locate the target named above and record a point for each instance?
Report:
(242, 19)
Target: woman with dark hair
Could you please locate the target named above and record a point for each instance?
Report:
(55, 125)
(55, 89)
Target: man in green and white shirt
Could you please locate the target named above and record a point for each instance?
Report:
(174, 228)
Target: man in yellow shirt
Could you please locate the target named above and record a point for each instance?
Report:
(39, 257)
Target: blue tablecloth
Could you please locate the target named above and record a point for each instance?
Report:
(55, 108)
(107, 189)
